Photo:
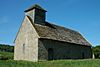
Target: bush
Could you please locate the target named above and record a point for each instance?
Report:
(3, 57)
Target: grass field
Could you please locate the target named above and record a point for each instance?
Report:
(6, 55)
(57, 63)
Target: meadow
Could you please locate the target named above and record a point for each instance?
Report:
(6, 60)
(6, 55)
(54, 63)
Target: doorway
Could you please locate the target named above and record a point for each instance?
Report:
(50, 54)
(83, 55)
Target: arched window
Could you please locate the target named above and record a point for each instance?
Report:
(50, 54)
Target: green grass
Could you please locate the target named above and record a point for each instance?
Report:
(56, 63)
(8, 55)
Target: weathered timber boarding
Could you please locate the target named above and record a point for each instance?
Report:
(39, 40)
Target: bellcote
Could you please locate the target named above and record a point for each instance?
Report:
(37, 14)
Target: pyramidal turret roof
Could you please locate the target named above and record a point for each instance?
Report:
(36, 6)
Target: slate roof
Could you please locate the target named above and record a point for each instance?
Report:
(55, 32)
(34, 7)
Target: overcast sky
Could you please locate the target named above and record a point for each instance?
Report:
(79, 15)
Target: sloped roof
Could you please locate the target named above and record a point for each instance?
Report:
(34, 7)
(55, 32)
(60, 34)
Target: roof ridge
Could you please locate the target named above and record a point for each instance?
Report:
(63, 27)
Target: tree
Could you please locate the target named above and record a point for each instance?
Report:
(6, 48)
(96, 51)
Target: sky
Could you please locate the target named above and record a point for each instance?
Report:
(79, 15)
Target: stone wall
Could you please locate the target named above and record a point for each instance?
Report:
(31, 14)
(26, 43)
(38, 16)
(62, 50)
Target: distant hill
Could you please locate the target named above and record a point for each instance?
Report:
(6, 48)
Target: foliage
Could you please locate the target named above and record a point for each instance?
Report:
(58, 63)
(96, 51)
(6, 48)
(6, 52)
(6, 55)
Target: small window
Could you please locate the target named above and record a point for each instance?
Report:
(23, 48)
